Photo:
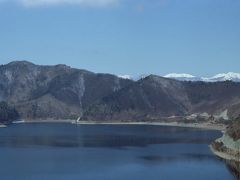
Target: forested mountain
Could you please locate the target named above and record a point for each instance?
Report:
(62, 92)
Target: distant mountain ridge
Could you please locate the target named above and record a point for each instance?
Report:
(230, 76)
(183, 77)
(62, 92)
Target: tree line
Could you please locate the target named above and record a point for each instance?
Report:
(7, 113)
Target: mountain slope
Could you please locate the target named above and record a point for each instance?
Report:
(7, 113)
(156, 98)
(53, 91)
(62, 92)
(152, 97)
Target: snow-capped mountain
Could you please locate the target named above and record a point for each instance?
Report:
(134, 78)
(230, 76)
(125, 76)
(182, 77)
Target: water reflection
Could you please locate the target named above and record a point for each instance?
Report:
(64, 151)
(110, 141)
(70, 136)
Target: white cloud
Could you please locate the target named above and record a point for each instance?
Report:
(92, 3)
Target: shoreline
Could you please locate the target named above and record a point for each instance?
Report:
(171, 124)
(223, 155)
(207, 126)
(2, 126)
(44, 121)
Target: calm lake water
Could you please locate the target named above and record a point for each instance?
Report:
(108, 152)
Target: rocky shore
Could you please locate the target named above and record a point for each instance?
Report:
(228, 147)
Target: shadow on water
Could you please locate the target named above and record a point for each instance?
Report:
(111, 141)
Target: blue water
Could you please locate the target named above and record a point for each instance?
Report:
(108, 152)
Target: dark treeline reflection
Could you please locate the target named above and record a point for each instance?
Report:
(93, 141)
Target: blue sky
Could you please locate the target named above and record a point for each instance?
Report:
(200, 37)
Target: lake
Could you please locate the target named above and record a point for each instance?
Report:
(108, 152)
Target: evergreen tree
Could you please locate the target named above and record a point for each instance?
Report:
(7, 113)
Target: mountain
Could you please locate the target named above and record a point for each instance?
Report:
(62, 92)
(150, 97)
(53, 91)
(154, 98)
(182, 77)
(226, 77)
(219, 77)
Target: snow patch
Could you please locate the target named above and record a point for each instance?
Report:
(230, 76)
(9, 75)
(175, 75)
(125, 76)
(182, 77)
